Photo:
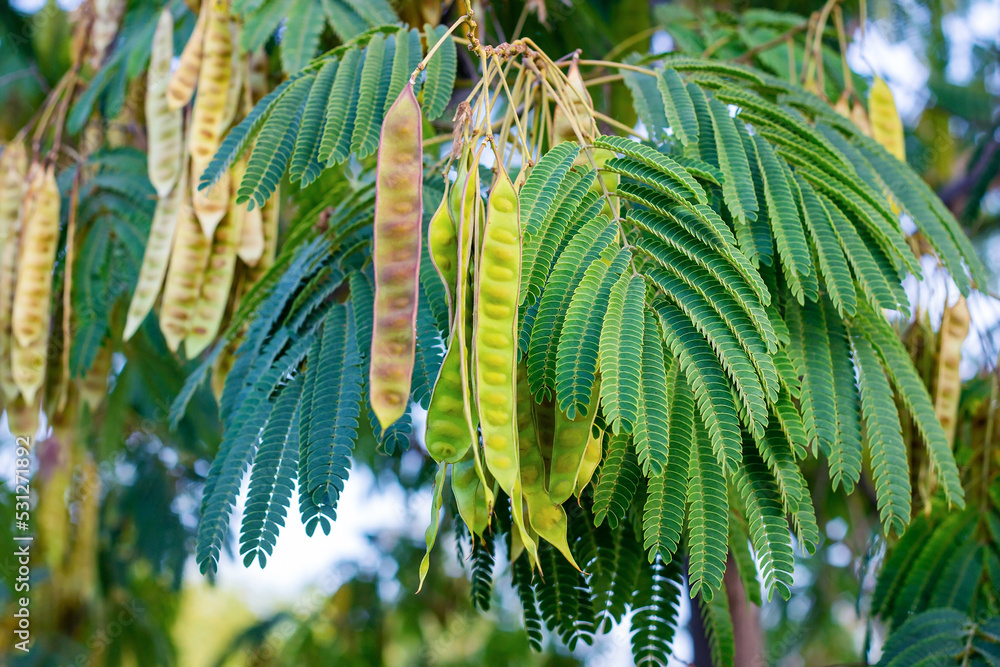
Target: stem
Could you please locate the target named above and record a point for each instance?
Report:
(597, 81)
(437, 45)
(629, 41)
(771, 43)
(614, 123)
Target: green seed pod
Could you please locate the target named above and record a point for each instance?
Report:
(569, 444)
(592, 456)
(442, 247)
(495, 337)
(430, 535)
(547, 519)
(470, 493)
(494, 357)
(396, 257)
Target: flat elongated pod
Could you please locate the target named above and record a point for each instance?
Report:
(396, 257)
(886, 127)
(33, 291)
(188, 258)
(566, 122)
(163, 125)
(206, 119)
(569, 445)
(591, 459)
(185, 77)
(442, 246)
(430, 535)
(154, 260)
(948, 388)
(470, 494)
(238, 73)
(13, 171)
(547, 519)
(218, 279)
(269, 212)
(495, 336)
(449, 434)
(252, 241)
(32, 294)
(107, 16)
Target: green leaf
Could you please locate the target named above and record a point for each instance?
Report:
(300, 39)
(440, 72)
(890, 466)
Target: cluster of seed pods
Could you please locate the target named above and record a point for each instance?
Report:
(482, 420)
(197, 235)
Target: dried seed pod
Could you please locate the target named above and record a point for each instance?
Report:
(107, 16)
(270, 212)
(165, 136)
(185, 77)
(182, 286)
(234, 94)
(154, 261)
(252, 241)
(948, 388)
(564, 128)
(13, 171)
(396, 255)
(206, 119)
(94, 384)
(28, 365)
(32, 294)
(886, 127)
(218, 279)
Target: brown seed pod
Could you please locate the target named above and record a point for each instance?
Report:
(185, 77)
(396, 256)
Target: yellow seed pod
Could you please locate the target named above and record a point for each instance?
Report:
(154, 260)
(588, 465)
(948, 389)
(886, 127)
(13, 171)
(185, 77)
(218, 278)
(252, 241)
(495, 343)
(182, 286)
(580, 116)
(165, 136)
(860, 119)
(28, 365)
(32, 294)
